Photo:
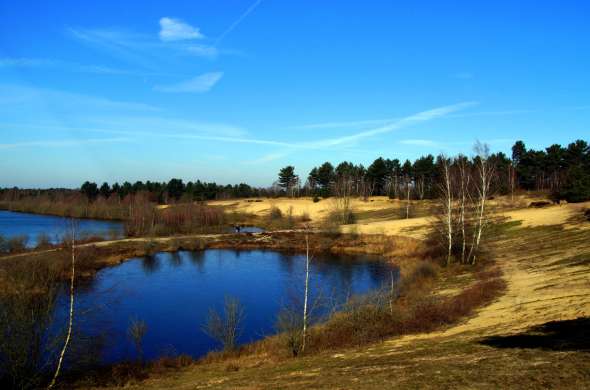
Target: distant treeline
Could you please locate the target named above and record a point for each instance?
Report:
(158, 192)
(562, 171)
(173, 191)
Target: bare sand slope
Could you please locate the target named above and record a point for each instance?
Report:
(375, 214)
(303, 206)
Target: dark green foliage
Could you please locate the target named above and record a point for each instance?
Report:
(325, 175)
(90, 190)
(577, 186)
(377, 173)
(175, 188)
(105, 190)
(287, 177)
(563, 171)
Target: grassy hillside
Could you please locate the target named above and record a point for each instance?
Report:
(533, 336)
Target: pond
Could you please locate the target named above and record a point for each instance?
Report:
(15, 224)
(173, 293)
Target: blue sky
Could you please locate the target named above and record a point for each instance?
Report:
(230, 91)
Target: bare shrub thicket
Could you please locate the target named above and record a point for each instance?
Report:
(409, 308)
(341, 213)
(226, 328)
(146, 219)
(11, 245)
(28, 351)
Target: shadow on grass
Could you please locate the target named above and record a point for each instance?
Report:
(569, 335)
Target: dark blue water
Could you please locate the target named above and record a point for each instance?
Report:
(173, 293)
(13, 224)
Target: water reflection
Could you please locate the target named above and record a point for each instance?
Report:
(165, 291)
(150, 263)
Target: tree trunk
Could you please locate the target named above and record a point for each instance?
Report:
(305, 299)
(71, 317)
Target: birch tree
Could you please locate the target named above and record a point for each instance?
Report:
(446, 191)
(484, 172)
(71, 311)
(464, 197)
(306, 290)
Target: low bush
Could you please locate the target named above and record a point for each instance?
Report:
(341, 217)
(275, 213)
(16, 244)
(409, 309)
(43, 242)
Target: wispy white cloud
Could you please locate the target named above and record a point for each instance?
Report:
(199, 84)
(62, 143)
(127, 46)
(18, 96)
(423, 116)
(269, 157)
(62, 65)
(343, 124)
(347, 141)
(237, 22)
(202, 50)
(188, 136)
(142, 50)
(26, 62)
(177, 30)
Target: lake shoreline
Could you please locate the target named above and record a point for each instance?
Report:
(397, 250)
(3, 207)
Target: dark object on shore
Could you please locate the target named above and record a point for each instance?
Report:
(587, 214)
(540, 204)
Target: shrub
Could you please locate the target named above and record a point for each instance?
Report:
(43, 241)
(289, 325)
(3, 245)
(150, 247)
(341, 217)
(275, 213)
(17, 244)
(227, 329)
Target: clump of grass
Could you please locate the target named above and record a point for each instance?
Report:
(339, 217)
(275, 213)
(17, 244)
(43, 241)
